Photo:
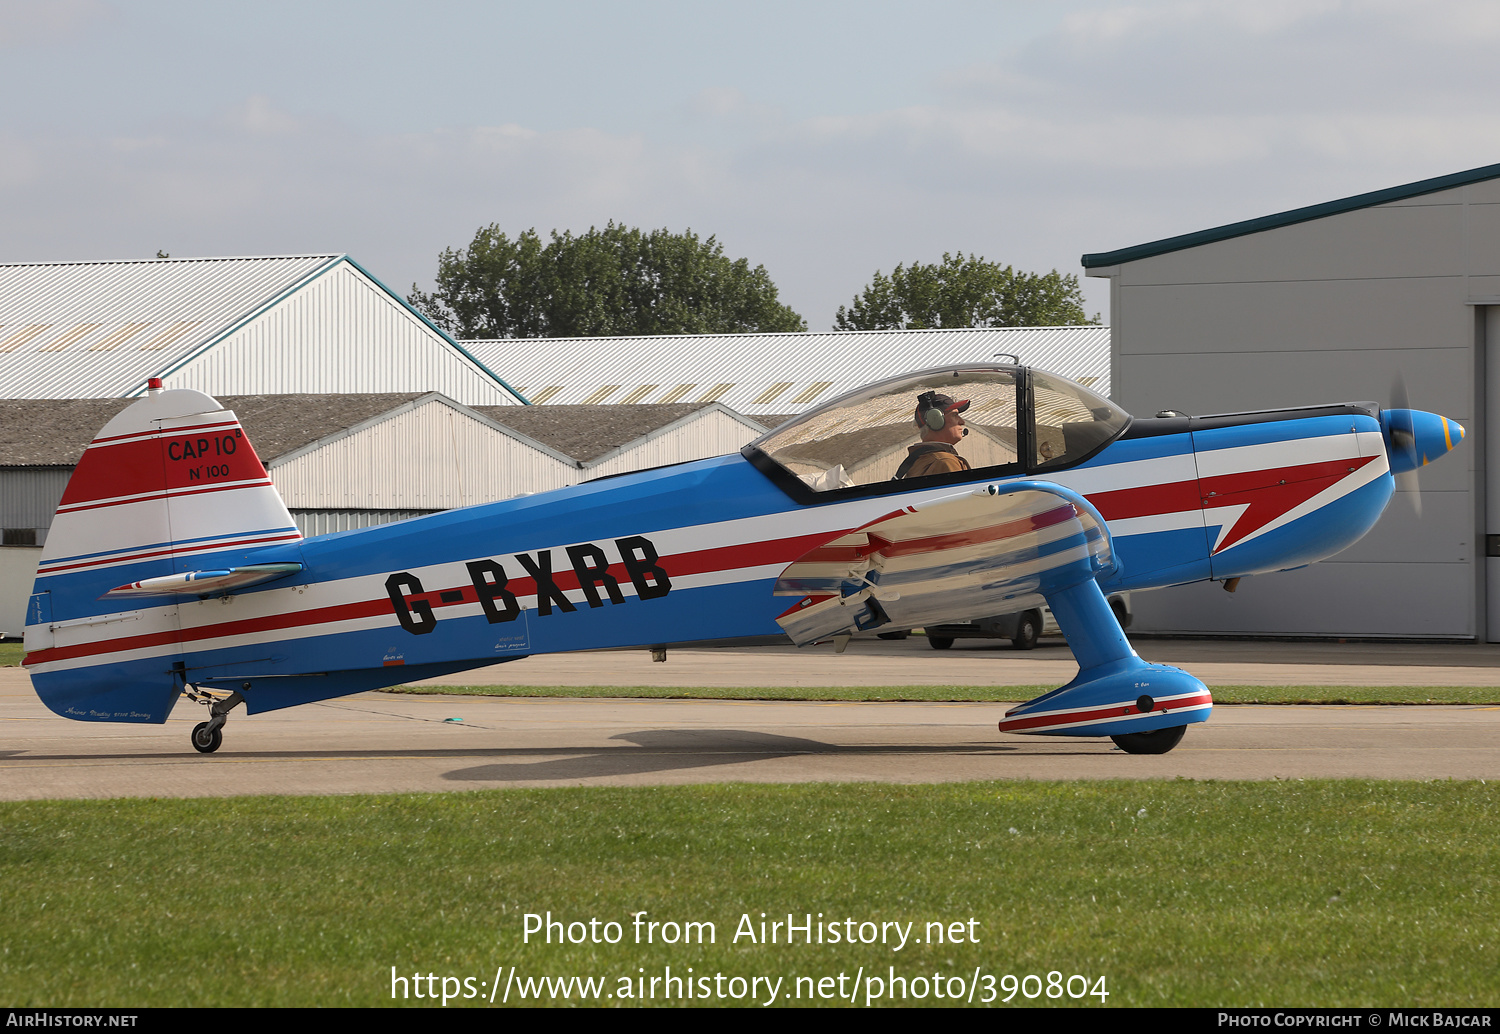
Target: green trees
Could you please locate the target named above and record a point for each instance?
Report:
(617, 280)
(964, 292)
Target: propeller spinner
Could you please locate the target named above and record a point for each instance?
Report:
(1413, 439)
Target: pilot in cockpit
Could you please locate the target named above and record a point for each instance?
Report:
(941, 425)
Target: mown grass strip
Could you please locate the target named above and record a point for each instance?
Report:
(1319, 893)
(1221, 694)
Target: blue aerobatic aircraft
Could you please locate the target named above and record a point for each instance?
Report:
(174, 569)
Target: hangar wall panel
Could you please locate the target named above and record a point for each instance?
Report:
(1327, 599)
(338, 334)
(1483, 240)
(1436, 379)
(1362, 244)
(1294, 316)
(391, 466)
(328, 522)
(17, 576)
(712, 434)
(29, 497)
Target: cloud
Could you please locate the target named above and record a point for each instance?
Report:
(1120, 125)
(28, 23)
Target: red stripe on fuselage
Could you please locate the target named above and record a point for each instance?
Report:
(1269, 493)
(1124, 503)
(721, 558)
(1267, 502)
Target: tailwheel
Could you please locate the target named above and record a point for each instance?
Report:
(1158, 741)
(207, 736)
(206, 740)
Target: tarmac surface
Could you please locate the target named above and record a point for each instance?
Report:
(381, 742)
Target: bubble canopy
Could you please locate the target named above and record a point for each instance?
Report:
(999, 421)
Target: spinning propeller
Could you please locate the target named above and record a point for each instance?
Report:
(1413, 439)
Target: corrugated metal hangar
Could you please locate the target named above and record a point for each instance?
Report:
(232, 326)
(761, 374)
(1331, 303)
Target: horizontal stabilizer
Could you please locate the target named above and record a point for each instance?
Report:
(205, 583)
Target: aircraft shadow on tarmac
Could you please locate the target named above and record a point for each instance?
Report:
(652, 750)
(660, 750)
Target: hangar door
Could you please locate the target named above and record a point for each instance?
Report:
(1492, 472)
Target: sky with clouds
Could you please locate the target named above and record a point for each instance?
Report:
(822, 140)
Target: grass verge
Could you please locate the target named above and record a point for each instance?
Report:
(1320, 893)
(1222, 694)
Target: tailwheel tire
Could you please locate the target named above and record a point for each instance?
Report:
(205, 740)
(1158, 741)
(939, 642)
(1028, 631)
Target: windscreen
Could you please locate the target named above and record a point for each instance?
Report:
(1071, 421)
(914, 426)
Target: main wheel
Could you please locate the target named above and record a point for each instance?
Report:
(206, 741)
(1028, 631)
(1158, 741)
(939, 642)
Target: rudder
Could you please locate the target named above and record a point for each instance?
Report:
(171, 485)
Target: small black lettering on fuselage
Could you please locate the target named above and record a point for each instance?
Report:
(488, 584)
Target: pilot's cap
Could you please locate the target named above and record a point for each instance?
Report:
(936, 400)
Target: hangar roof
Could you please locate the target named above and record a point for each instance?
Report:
(760, 374)
(87, 324)
(588, 432)
(100, 329)
(54, 432)
(1296, 215)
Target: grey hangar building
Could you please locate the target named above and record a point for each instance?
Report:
(1334, 303)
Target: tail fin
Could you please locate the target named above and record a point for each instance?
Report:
(170, 486)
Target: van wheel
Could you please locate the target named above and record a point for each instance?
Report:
(1028, 631)
(939, 642)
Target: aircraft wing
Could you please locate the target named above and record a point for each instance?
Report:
(994, 550)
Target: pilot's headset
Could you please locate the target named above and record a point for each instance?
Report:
(933, 415)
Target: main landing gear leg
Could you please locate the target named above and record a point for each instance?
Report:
(207, 736)
(1142, 707)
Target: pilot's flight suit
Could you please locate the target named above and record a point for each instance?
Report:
(931, 458)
